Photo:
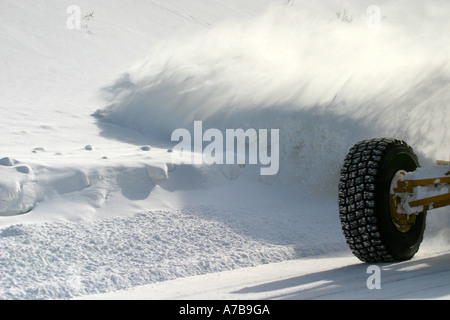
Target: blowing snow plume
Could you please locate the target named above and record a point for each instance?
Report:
(320, 73)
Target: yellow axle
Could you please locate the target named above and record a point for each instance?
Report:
(413, 194)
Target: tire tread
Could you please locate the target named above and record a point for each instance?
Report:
(357, 205)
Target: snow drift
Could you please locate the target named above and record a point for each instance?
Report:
(324, 78)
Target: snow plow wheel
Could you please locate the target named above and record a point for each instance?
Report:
(370, 225)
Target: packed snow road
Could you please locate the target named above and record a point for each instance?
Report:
(276, 252)
(427, 276)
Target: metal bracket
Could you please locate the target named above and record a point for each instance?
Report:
(421, 190)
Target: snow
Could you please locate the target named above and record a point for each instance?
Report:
(91, 202)
(324, 278)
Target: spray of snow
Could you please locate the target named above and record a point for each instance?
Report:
(324, 79)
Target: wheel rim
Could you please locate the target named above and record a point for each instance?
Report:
(402, 222)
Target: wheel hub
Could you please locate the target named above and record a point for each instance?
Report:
(402, 222)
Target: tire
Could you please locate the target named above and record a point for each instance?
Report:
(364, 209)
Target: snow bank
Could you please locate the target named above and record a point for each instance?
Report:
(18, 189)
(321, 74)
